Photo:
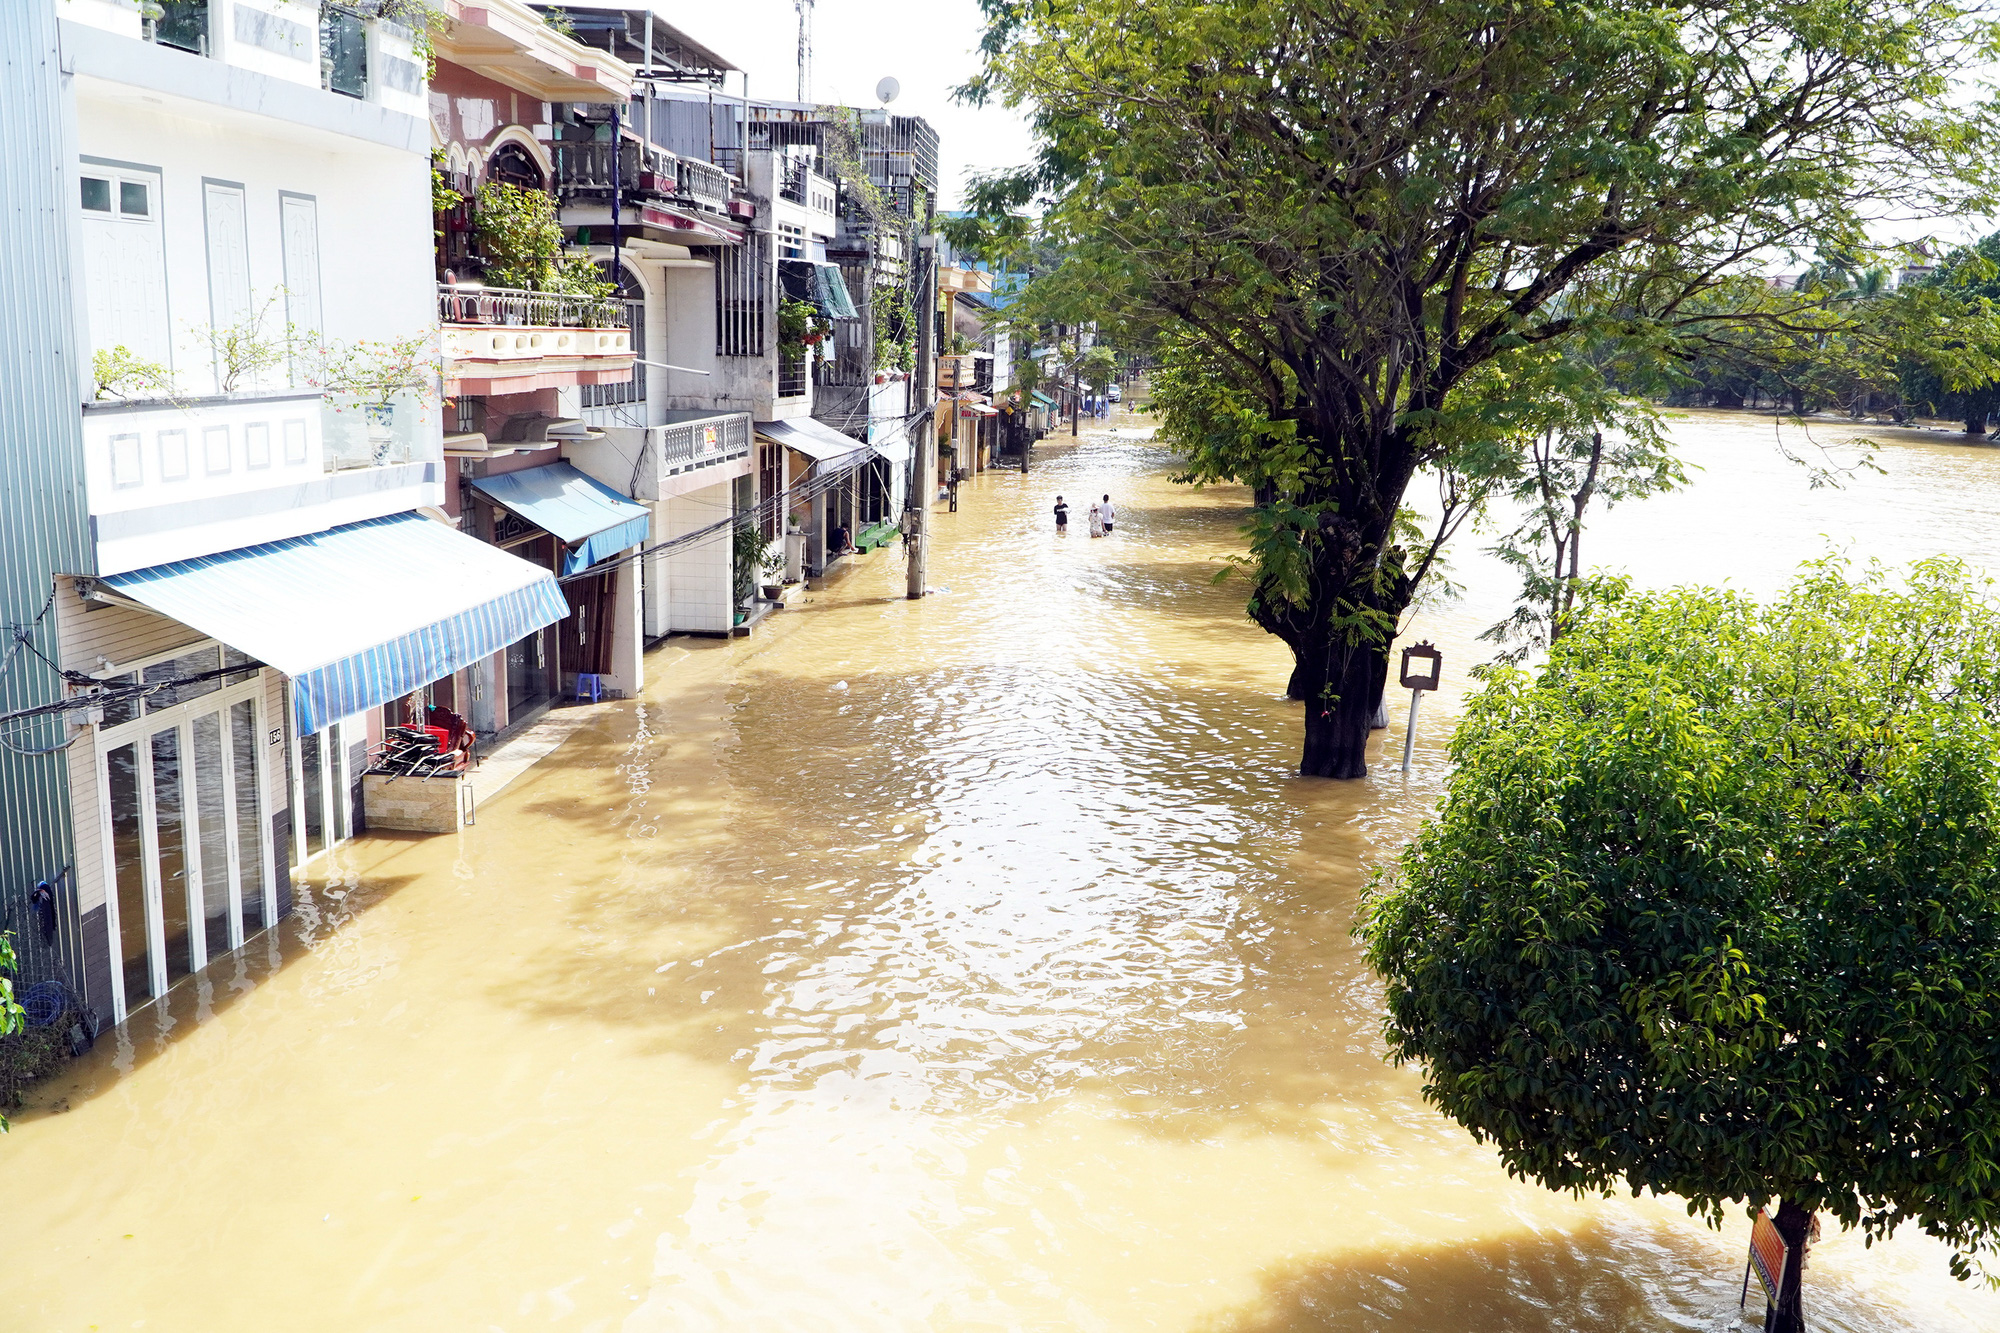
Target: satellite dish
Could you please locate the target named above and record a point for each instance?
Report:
(885, 91)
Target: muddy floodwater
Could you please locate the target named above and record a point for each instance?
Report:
(970, 964)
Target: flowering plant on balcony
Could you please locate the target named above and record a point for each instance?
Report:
(373, 371)
(800, 325)
(122, 374)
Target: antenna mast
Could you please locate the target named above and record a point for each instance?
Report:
(805, 8)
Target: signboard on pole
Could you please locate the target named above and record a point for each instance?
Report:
(1767, 1258)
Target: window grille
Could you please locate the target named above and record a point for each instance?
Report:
(631, 390)
(741, 300)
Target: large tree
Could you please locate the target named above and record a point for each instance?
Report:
(1712, 908)
(1343, 218)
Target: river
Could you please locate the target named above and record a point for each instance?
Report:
(968, 964)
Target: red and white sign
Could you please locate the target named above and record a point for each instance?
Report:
(1767, 1256)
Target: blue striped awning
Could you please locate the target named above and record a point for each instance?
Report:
(356, 615)
(584, 514)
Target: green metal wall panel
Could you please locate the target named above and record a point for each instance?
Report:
(44, 524)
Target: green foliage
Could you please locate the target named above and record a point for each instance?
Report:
(518, 234)
(1349, 220)
(1098, 366)
(12, 1017)
(1712, 904)
(120, 373)
(800, 325)
(747, 556)
(1585, 442)
(895, 329)
(443, 197)
(244, 350)
(374, 370)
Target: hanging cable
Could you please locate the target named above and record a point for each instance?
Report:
(769, 507)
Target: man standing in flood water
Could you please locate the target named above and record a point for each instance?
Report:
(1062, 517)
(1109, 513)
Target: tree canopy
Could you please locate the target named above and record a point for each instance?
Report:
(1351, 224)
(1712, 905)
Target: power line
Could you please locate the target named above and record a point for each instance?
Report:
(769, 507)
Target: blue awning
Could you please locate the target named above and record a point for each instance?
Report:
(584, 514)
(356, 615)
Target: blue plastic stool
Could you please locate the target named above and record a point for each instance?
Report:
(591, 683)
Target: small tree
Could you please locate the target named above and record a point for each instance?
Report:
(518, 233)
(1712, 908)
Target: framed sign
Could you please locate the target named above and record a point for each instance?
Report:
(1423, 665)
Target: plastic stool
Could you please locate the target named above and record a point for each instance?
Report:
(591, 683)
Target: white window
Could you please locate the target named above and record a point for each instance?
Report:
(300, 215)
(228, 258)
(257, 444)
(125, 270)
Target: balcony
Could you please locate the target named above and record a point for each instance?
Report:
(172, 480)
(799, 184)
(645, 173)
(692, 451)
(499, 341)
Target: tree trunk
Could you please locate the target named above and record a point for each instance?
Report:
(1795, 1226)
(1340, 708)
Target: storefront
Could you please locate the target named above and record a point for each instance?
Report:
(231, 756)
(563, 521)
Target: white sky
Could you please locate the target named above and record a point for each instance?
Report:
(927, 45)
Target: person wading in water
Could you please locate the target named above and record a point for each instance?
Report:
(1108, 512)
(1062, 517)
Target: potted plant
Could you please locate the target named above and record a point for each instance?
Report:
(773, 565)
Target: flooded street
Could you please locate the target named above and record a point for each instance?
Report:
(969, 964)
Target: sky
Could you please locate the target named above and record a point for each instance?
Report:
(926, 45)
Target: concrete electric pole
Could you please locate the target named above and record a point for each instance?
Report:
(923, 457)
(805, 8)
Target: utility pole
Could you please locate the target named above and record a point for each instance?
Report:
(805, 8)
(924, 455)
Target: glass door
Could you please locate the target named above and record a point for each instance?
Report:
(184, 840)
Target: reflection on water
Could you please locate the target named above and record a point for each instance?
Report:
(966, 964)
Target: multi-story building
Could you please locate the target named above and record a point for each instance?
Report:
(725, 215)
(519, 364)
(221, 448)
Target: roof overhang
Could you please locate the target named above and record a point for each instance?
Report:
(507, 42)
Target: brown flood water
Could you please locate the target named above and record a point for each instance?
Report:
(973, 964)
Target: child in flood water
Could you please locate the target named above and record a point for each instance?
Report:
(1062, 517)
(1096, 520)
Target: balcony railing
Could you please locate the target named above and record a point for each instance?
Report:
(793, 173)
(179, 23)
(704, 442)
(792, 374)
(506, 306)
(343, 51)
(644, 172)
